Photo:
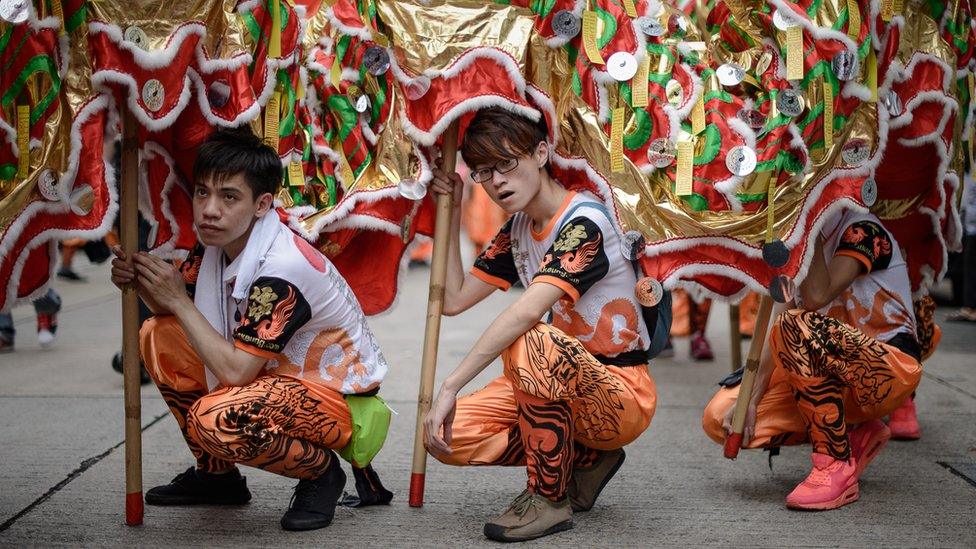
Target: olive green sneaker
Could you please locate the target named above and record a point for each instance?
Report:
(587, 482)
(530, 516)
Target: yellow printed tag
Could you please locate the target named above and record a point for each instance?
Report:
(23, 140)
(887, 9)
(898, 6)
(686, 156)
(630, 8)
(698, 115)
(853, 19)
(794, 53)
(873, 75)
(770, 206)
(617, 140)
(638, 85)
(274, 43)
(828, 114)
(590, 24)
(272, 115)
(296, 175)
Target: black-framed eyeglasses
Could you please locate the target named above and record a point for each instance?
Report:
(504, 166)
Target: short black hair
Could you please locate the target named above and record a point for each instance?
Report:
(228, 152)
(495, 134)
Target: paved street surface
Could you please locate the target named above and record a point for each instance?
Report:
(61, 479)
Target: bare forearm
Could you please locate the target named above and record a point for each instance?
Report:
(219, 355)
(455, 269)
(509, 326)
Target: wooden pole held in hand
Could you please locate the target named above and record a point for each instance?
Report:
(129, 237)
(734, 440)
(435, 306)
(735, 336)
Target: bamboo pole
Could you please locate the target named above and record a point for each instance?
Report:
(735, 336)
(435, 307)
(129, 236)
(734, 440)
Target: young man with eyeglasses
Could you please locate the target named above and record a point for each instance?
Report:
(576, 388)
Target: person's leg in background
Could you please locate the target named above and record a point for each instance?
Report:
(68, 250)
(701, 350)
(6, 333)
(47, 308)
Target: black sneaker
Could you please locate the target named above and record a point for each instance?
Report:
(68, 274)
(143, 374)
(314, 502)
(194, 487)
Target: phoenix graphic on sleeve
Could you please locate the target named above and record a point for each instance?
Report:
(272, 328)
(576, 261)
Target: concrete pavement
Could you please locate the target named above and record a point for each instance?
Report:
(61, 482)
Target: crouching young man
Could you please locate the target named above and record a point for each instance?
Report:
(846, 356)
(257, 344)
(575, 389)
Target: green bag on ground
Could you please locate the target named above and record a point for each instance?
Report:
(370, 424)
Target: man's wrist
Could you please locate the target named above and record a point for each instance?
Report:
(181, 305)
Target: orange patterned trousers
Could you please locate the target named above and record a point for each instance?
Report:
(827, 375)
(276, 423)
(554, 409)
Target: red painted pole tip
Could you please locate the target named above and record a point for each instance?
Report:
(417, 489)
(732, 444)
(134, 509)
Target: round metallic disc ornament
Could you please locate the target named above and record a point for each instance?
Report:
(417, 88)
(137, 36)
(730, 74)
(218, 94)
(869, 192)
(674, 92)
(845, 65)
(376, 60)
(153, 94)
(412, 189)
(775, 253)
(47, 185)
(566, 24)
(14, 12)
(741, 160)
(651, 26)
(648, 291)
(892, 102)
(789, 102)
(855, 151)
(622, 66)
(632, 245)
(782, 289)
(753, 118)
(661, 153)
(783, 23)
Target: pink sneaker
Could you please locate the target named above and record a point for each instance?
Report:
(831, 484)
(867, 440)
(700, 349)
(904, 423)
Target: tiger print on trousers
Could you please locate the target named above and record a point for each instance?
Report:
(274, 423)
(822, 357)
